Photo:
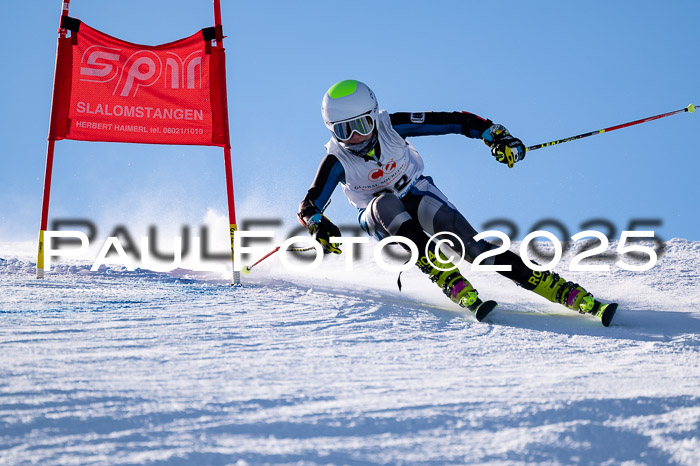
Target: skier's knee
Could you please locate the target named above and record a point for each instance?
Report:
(390, 211)
(386, 203)
(384, 216)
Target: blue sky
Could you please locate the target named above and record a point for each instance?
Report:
(545, 70)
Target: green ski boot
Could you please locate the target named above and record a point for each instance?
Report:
(571, 295)
(455, 286)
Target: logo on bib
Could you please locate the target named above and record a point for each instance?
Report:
(378, 173)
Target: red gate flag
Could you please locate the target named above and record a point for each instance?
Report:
(106, 89)
(111, 90)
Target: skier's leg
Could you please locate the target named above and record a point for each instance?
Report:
(436, 214)
(386, 216)
(551, 286)
(546, 284)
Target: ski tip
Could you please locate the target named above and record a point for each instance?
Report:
(608, 314)
(484, 310)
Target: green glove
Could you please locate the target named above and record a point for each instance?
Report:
(504, 147)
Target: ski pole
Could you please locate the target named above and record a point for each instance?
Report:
(690, 108)
(247, 268)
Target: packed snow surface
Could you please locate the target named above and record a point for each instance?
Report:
(339, 367)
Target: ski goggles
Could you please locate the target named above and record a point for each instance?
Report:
(362, 125)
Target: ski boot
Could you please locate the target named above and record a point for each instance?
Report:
(455, 286)
(571, 295)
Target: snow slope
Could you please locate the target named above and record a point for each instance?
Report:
(338, 367)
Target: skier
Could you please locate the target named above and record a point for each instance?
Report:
(381, 174)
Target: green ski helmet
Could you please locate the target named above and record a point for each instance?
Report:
(349, 107)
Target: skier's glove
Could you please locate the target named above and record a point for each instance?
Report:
(322, 230)
(504, 147)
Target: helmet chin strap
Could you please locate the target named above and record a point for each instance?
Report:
(363, 148)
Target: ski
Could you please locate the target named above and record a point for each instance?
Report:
(604, 312)
(482, 308)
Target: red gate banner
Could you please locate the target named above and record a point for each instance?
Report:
(112, 90)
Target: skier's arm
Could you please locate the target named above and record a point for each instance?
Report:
(330, 172)
(438, 123)
(504, 147)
